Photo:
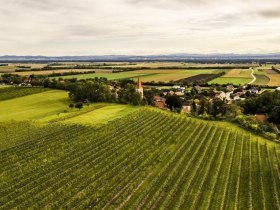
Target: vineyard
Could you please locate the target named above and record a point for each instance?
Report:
(146, 160)
(14, 92)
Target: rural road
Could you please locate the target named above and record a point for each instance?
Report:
(254, 77)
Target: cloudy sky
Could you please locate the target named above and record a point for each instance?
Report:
(139, 27)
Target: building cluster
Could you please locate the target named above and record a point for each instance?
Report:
(229, 95)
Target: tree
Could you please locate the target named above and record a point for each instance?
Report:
(129, 95)
(202, 106)
(79, 105)
(275, 115)
(173, 102)
(194, 107)
(219, 107)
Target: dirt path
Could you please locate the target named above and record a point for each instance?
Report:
(254, 77)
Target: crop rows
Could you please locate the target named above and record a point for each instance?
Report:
(15, 92)
(148, 160)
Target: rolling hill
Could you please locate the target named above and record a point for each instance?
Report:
(148, 159)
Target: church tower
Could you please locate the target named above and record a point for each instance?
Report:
(139, 87)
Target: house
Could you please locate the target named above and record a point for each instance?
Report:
(160, 102)
(254, 90)
(179, 93)
(176, 87)
(260, 117)
(238, 96)
(187, 108)
(230, 88)
(221, 95)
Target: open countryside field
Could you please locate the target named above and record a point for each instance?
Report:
(28, 73)
(34, 107)
(238, 73)
(229, 80)
(53, 105)
(149, 159)
(261, 77)
(109, 156)
(274, 79)
(266, 76)
(234, 76)
(261, 80)
(147, 75)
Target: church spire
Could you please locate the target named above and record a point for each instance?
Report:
(139, 83)
(139, 88)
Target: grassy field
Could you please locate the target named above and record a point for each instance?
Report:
(53, 105)
(103, 115)
(234, 76)
(148, 159)
(34, 107)
(233, 80)
(15, 92)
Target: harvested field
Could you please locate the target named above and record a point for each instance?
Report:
(238, 73)
(274, 79)
(233, 73)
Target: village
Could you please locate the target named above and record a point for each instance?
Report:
(228, 95)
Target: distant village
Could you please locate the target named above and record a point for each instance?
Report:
(228, 95)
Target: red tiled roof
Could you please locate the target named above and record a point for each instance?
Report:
(139, 84)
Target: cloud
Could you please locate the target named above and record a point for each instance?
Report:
(86, 27)
(272, 13)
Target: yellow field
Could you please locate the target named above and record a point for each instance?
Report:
(238, 73)
(274, 79)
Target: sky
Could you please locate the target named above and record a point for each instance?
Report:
(138, 27)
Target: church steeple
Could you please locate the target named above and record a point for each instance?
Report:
(139, 83)
(139, 87)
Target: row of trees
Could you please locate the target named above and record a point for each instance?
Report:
(91, 90)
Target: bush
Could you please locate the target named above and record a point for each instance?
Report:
(79, 105)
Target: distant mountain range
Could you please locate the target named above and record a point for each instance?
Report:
(171, 57)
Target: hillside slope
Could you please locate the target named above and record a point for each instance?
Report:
(146, 160)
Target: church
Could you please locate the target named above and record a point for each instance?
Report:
(139, 87)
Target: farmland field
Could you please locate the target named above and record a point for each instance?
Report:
(261, 80)
(148, 75)
(34, 107)
(152, 72)
(7, 92)
(235, 76)
(274, 79)
(233, 80)
(28, 73)
(238, 73)
(149, 159)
